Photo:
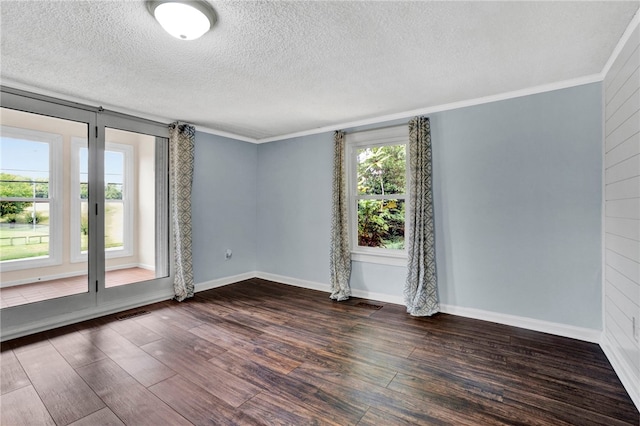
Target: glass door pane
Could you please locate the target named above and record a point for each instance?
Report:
(135, 238)
(36, 189)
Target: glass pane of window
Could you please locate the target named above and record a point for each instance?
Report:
(84, 226)
(24, 168)
(83, 169)
(114, 220)
(381, 223)
(113, 175)
(25, 234)
(113, 225)
(381, 170)
(24, 173)
(113, 193)
(84, 173)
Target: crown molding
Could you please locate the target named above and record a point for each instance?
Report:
(594, 78)
(635, 21)
(224, 134)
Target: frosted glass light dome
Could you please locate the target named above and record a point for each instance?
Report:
(186, 20)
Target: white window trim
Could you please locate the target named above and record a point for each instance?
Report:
(55, 199)
(378, 137)
(128, 189)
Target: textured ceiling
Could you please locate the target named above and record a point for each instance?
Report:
(273, 68)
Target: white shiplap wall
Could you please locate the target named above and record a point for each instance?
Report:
(622, 215)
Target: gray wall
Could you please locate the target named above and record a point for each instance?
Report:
(518, 202)
(294, 207)
(518, 208)
(224, 207)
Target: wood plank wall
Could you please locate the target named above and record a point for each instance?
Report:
(622, 213)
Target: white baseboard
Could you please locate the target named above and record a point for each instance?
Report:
(123, 266)
(297, 282)
(564, 330)
(622, 369)
(312, 285)
(208, 285)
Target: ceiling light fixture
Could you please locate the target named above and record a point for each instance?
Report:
(186, 20)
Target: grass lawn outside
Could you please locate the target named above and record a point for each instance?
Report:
(22, 241)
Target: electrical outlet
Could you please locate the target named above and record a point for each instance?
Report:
(228, 254)
(635, 329)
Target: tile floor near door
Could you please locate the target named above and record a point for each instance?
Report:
(37, 292)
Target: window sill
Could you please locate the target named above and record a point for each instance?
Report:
(108, 254)
(29, 263)
(379, 258)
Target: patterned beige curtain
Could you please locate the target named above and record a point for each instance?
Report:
(181, 149)
(421, 290)
(340, 256)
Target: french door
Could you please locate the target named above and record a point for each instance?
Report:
(84, 226)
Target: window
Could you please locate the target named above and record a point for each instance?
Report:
(377, 188)
(30, 199)
(118, 194)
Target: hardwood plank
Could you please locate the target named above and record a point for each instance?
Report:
(26, 343)
(63, 392)
(128, 399)
(298, 337)
(188, 341)
(95, 324)
(488, 371)
(76, 349)
(134, 332)
(559, 411)
(449, 385)
(265, 357)
(376, 417)
(374, 330)
(131, 358)
(577, 375)
(198, 406)
(471, 404)
(24, 407)
(275, 410)
(350, 361)
(225, 334)
(12, 375)
(104, 417)
(260, 314)
(181, 318)
(322, 402)
(366, 395)
(229, 388)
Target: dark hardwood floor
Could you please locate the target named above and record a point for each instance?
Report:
(258, 352)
